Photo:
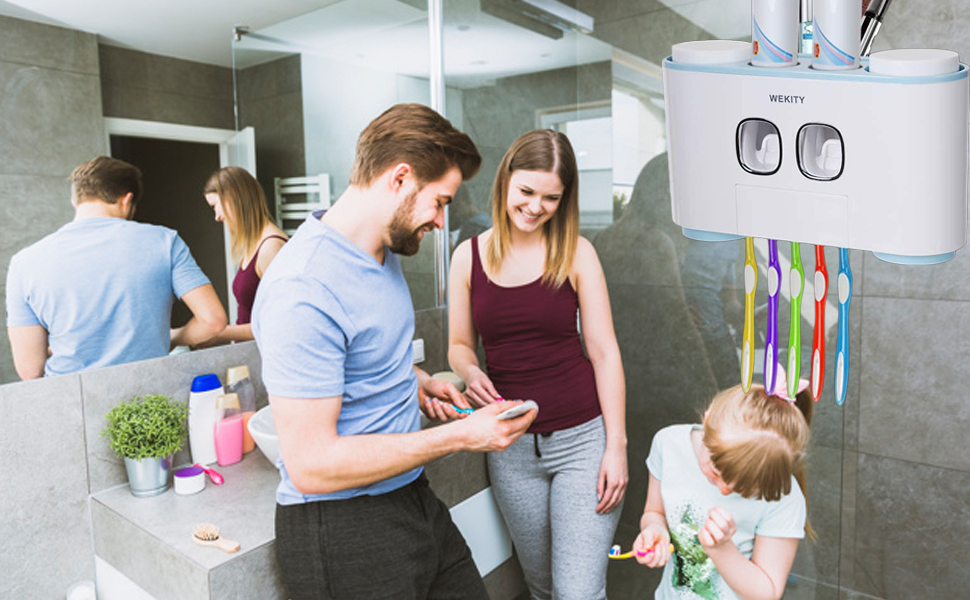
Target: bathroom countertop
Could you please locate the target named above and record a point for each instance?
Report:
(129, 529)
(149, 540)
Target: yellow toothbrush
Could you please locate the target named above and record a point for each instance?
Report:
(750, 285)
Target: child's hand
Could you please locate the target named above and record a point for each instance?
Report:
(652, 546)
(717, 530)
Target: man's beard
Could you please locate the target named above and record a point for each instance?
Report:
(405, 239)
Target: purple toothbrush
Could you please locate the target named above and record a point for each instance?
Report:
(771, 343)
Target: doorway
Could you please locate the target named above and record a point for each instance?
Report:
(232, 147)
(174, 173)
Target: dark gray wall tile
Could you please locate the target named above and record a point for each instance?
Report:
(48, 47)
(44, 497)
(912, 530)
(150, 87)
(912, 391)
(51, 120)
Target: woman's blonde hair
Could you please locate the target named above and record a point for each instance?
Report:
(550, 152)
(244, 203)
(758, 442)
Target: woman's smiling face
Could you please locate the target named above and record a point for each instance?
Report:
(533, 198)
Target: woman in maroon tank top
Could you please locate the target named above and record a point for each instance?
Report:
(238, 200)
(518, 288)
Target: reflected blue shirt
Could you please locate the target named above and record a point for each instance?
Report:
(103, 289)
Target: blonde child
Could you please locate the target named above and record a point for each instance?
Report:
(728, 495)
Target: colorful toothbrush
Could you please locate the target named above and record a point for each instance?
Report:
(842, 348)
(615, 553)
(212, 473)
(750, 285)
(771, 343)
(796, 284)
(818, 341)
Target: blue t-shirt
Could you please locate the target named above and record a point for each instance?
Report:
(329, 320)
(103, 289)
(688, 497)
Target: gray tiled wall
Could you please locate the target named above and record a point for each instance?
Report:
(149, 87)
(55, 457)
(51, 121)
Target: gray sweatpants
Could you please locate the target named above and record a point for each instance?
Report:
(545, 486)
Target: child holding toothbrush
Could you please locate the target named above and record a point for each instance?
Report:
(728, 495)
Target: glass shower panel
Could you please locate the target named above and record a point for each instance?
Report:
(309, 85)
(508, 72)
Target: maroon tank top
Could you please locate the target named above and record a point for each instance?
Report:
(245, 283)
(532, 347)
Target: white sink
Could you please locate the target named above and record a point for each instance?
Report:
(263, 430)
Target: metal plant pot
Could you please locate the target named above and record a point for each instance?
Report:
(148, 476)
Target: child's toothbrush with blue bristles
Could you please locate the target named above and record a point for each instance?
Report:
(615, 552)
(771, 343)
(796, 283)
(842, 347)
(747, 340)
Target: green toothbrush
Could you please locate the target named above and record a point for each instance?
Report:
(797, 284)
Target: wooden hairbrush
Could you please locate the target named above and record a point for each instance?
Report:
(207, 534)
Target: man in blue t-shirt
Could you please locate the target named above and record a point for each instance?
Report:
(99, 290)
(334, 322)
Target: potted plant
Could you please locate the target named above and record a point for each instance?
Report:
(147, 431)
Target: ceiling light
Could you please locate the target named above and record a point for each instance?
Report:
(559, 15)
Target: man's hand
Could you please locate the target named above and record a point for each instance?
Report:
(438, 398)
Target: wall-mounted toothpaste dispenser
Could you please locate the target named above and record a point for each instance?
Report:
(873, 158)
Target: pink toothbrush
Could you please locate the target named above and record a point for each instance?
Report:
(213, 475)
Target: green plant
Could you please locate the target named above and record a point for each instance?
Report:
(153, 426)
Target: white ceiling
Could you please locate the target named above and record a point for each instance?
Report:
(197, 30)
(372, 33)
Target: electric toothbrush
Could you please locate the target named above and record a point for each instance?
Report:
(842, 349)
(771, 343)
(747, 341)
(796, 284)
(818, 343)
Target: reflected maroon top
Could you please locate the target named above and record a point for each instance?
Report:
(245, 283)
(532, 347)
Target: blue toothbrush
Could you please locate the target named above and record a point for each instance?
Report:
(842, 347)
(771, 343)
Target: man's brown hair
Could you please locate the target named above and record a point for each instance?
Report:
(106, 179)
(418, 136)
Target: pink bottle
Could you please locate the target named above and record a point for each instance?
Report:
(228, 430)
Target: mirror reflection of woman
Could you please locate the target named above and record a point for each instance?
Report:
(238, 200)
(518, 287)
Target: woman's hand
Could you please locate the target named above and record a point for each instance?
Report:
(717, 530)
(436, 397)
(652, 546)
(479, 388)
(612, 479)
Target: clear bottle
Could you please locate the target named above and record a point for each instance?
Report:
(238, 382)
(228, 430)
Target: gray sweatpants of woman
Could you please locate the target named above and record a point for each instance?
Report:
(545, 486)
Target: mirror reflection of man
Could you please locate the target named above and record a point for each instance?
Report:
(99, 290)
